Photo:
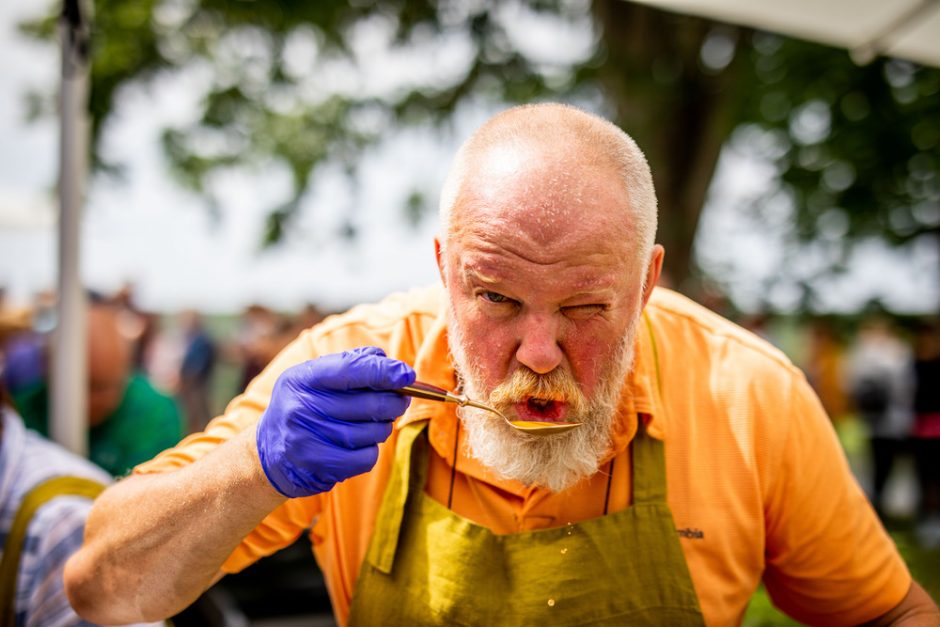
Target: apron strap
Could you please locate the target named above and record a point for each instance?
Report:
(649, 466)
(382, 548)
(648, 453)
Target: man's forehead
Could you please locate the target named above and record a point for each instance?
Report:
(493, 271)
(542, 226)
(501, 261)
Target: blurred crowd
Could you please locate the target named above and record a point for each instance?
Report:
(880, 375)
(152, 378)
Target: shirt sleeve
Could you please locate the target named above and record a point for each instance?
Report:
(829, 559)
(54, 533)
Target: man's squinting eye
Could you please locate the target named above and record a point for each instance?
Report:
(494, 297)
(584, 311)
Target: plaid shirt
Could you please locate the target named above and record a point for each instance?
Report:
(55, 531)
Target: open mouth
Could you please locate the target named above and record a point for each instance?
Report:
(541, 409)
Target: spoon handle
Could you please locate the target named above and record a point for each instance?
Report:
(419, 389)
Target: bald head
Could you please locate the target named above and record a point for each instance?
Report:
(109, 358)
(563, 143)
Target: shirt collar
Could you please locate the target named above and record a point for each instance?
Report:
(641, 396)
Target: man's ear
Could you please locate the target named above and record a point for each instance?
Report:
(439, 256)
(653, 270)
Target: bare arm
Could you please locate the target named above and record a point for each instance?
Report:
(154, 543)
(915, 609)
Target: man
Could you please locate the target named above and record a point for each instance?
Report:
(880, 380)
(704, 462)
(196, 369)
(130, 420)
(49, 491)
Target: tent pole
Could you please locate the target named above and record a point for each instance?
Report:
(68, 389)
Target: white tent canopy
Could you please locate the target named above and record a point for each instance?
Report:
(907, 29)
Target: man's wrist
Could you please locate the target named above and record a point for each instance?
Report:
(256, 473)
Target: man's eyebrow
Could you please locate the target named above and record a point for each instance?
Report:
(473, 274)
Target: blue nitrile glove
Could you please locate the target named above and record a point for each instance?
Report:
(326, 418)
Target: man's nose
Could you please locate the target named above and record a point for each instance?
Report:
(538, 345)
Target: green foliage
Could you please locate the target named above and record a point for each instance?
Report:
(859, 147)
(762, 613)
(265, 100)
(297, 84)
(922, 561)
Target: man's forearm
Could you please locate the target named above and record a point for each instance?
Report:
(154, 543)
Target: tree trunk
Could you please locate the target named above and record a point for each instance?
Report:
(679, 114)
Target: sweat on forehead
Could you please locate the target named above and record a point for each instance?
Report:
(539, 216)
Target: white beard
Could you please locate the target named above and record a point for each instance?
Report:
(555, 462)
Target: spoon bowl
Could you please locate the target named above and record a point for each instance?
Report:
(434, 393)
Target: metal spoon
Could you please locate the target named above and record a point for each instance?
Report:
(434, 393)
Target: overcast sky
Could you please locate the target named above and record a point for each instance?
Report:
(147, 231)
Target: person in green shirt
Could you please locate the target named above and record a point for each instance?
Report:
(130, 421)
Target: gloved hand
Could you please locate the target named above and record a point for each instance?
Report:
(326, 418)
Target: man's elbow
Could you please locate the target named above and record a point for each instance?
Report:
(79, 588)
(86, 590)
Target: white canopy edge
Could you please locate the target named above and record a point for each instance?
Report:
(907, 29)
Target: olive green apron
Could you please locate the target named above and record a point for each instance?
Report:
(429, 566)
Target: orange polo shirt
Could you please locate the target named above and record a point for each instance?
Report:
(757, 482)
